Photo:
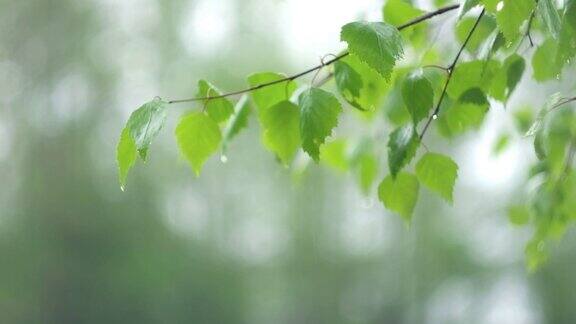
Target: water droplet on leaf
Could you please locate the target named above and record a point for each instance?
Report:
(223, 158)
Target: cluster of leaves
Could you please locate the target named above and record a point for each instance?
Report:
(374, 78)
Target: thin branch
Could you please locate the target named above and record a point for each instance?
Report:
(324, 80)
(410, 23)
(528, 33)
(563, 102)
(440, 67)
(451, 69)
(264, 85)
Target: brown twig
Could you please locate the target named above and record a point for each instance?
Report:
(528, 33)
(563, 102)
(451, 69)
(410, 23)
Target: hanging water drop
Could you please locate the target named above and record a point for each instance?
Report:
(223, 158)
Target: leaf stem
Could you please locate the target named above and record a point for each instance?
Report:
(451, 69)
(435, 66)
(528, 33)
(563, 102)
(410, 23)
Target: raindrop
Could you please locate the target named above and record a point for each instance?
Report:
(223, 158)
(122, 188)
(434, 116)
(500, 5)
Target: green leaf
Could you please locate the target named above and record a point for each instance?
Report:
(518, 215)
(514, 66)
(474, 96)
(569, 17)
(553, 55)
(126, 156)
(358, 84)
(539, 148)
(367, 171)
(566, 44)
(472, 74)
(466, 114)
(218, 109)
(483, 31)
(462, 118)
(544, 64)
(550, 16)
(363, 161)
(376, 43)
(349, 83)
(397, 12)
(536, 254)
(523, 119)
(438, 173)
(402, 146)
(281, 124)
(269, 96)
(238, 122)
(568, 205)
(466, 6)
(507, 78)
(400, 194)
(490, 5)
(501, 144)
(394, 107)
(318, 116)
(557, 134)
(145, 123)
(334, 155)
(510, 15)
(418, 95)
(538, 123)
(198, 137)
(141, 128)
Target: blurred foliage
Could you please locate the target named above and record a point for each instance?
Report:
(242, 243)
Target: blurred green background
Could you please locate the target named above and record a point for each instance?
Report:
(244, 243)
